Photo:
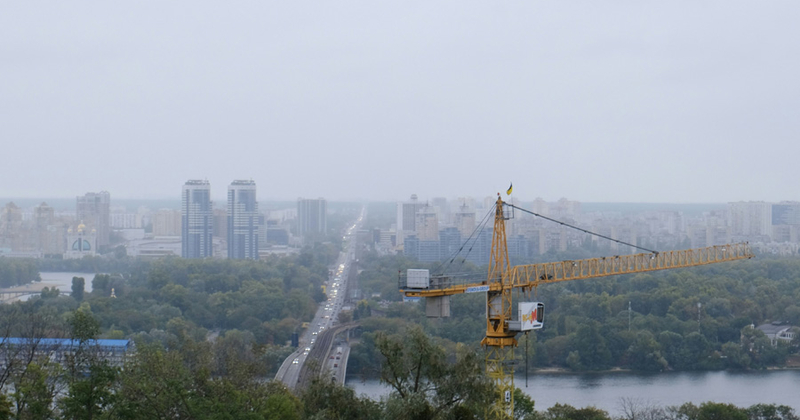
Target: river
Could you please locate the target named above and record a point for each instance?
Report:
(61, 280)
(605, 390)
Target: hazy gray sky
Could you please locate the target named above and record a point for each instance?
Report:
(657, 101)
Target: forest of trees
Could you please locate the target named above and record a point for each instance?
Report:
(587, 322)
(264, 301)
(184, 377)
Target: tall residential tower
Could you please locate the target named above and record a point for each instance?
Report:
(197, 220)
(243, 220)
(94, 211)
(312, 216)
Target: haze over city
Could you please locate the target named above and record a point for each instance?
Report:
(599, 102)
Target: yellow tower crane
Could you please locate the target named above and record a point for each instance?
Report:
(502, 328)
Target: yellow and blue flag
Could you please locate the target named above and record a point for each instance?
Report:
(510, 187)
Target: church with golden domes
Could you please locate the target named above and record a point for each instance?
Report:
(81, 242)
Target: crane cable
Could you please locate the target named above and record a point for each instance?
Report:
(581, 229)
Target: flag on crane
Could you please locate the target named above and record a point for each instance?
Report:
(510, 187)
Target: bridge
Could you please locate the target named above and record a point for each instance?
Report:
(316, 362)
(8, 296)
(299, 376)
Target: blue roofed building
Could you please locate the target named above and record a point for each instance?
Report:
(59, 349)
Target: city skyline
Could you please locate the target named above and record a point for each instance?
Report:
(425, 227)
(662, 102)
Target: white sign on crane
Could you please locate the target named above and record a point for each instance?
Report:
(531, 315)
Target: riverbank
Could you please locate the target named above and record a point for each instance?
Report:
(606, 390)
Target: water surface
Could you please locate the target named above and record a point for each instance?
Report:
(605, 390)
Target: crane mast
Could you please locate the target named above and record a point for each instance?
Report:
(500, 339)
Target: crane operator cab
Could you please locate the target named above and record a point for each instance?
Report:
(531, 317)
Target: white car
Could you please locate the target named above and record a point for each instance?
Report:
(295, 361)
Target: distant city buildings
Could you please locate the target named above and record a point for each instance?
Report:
(197, 220)
(429, 234)
(243, 220)
(94, 211)
(427, 230)
(312, 216)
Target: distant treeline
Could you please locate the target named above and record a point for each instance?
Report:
(588, 325)
(18, 271)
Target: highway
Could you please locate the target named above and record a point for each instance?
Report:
(317, 339)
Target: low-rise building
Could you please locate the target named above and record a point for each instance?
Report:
(59, 350)
(778, 331)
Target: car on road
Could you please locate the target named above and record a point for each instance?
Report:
(295, 361)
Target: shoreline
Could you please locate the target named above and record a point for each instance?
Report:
(566, 372)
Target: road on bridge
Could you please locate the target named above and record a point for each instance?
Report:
(318, 335)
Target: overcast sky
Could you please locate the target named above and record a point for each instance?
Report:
(616, 101)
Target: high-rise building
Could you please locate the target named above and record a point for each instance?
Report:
(464, 220)
(786, 213)
(407, 218)
(167, 222)
(407, 214)
(751, 219)
(197, 220)
(243, 220)
(442, 209)
(94, 211)
(312, 216)
(11, 235)
(427, 224)
(43, 218)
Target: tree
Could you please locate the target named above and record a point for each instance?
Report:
(735, 356)
(77, 288)
(50, 293)
(771, 412)
(645, 353)
(100, 283)
(523, 406)
(35, 391)
(324, 399)
(83, 328)
(638, 409)
(5, 407)
(83, 325)
(345, 317)
(425, 385)
(157, 385)
(720, 411)
(93, 396)
(591, 346)
(568, 412)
